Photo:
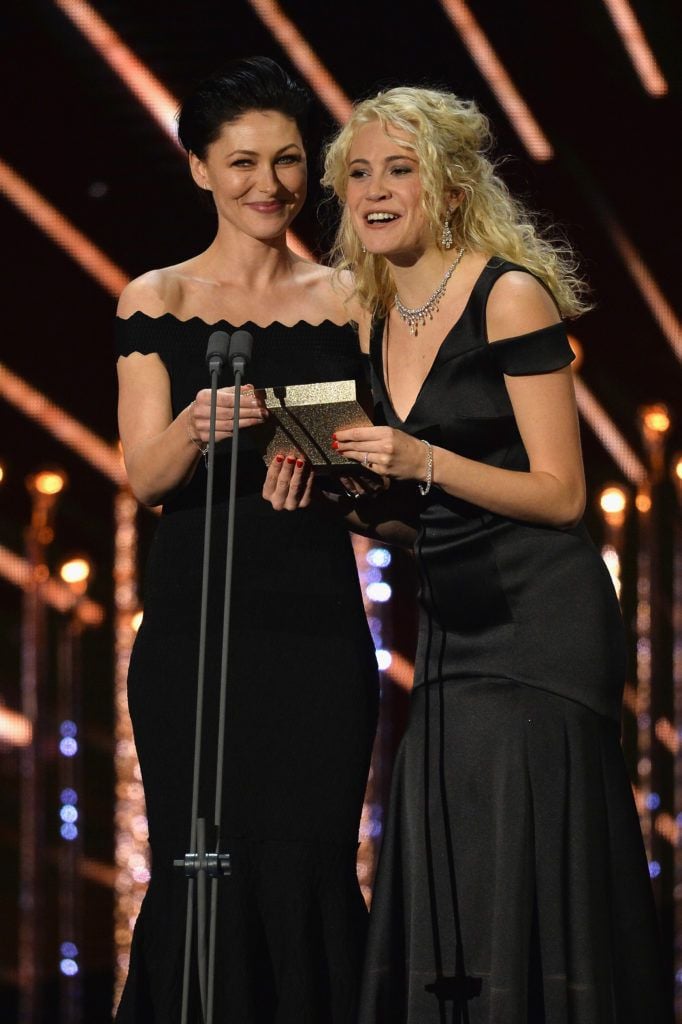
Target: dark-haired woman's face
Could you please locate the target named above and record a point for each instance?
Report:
(257, 172)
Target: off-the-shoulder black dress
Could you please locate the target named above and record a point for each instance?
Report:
(512, 885)
(302, 703)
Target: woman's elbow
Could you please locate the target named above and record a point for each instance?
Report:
(570, 509)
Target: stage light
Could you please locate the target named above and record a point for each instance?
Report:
(656, 418)
(643, 502)
(654, 869)
(47, 482)
(76, 571)
(379, 592)
(613, 501)
(136, 621)
(15, 729)
(384, 659)
(379, 557)
(2, 472)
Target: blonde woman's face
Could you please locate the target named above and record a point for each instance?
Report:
(384, 193)
(256, 170)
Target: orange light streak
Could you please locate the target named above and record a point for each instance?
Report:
(147, 89)
(32, 403)
(60, 230)
(666, 733)
(492, 69)
(17, 570)
(660, 308)
(160, 103)
(608, 433)
(304, 58)
(638, 49)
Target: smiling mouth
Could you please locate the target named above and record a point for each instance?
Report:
(273, 206)
(381, 218)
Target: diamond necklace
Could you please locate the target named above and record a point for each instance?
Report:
(416, 317)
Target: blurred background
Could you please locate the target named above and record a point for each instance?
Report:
(585, 101)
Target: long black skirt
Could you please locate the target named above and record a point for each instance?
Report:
(513, 885)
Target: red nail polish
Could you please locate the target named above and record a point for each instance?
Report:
(299, 463)
(291, 460)
(335, 444)
(279, 458)
(333, 437)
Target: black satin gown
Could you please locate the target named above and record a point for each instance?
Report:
(302, 705)
(512, 886)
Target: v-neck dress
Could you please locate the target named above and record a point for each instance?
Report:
(301, 710)
(512, 885)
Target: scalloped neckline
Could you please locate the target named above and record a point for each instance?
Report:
(234, 327)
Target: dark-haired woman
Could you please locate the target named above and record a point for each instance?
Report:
(302, 693)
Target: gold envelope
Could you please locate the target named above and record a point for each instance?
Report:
(303, 418)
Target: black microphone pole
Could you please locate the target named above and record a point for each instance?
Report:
(241, 347)
(195, 862)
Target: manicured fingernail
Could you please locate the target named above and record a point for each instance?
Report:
(290, 459)
(299, 463)
(335, 444)
(279, 458)
(333, 437)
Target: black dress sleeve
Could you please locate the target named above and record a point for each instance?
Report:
(143, 334)
(540, 351)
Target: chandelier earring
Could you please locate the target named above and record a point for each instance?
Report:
(446, 234)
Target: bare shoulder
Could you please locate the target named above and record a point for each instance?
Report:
(330, 289)
(151, 293)
(518, 304)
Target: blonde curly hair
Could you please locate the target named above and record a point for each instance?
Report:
(450, 138)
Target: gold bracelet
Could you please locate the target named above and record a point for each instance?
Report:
(203, 448)
(426, 486)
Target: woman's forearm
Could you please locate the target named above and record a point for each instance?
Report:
(160, 464)
(533, 496)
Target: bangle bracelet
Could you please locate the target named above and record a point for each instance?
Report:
(426, 486)
(203, 448)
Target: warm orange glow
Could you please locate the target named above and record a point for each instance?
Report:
(666, 733)
(638, 49)
(577, 352)
(34, 206)
(48, 482)
(491, 67)
(656, 419)
(32, 403)
(667, 827)
(643, 502)
(15, 729)
(677, 468)
(608, 433)
(304, 57)
(613, 500)
(76, 570)
(136, 620)
(2, 472)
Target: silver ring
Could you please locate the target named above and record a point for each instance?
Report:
(365, 461)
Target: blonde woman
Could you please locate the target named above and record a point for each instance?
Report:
(513, 884)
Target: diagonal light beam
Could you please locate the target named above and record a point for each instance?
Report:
(637, 47)
(147, 89)
(499, 80)
(60, 230)
(65, 428)
(304, 58)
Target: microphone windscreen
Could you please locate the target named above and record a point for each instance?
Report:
(241, 346)
(218, 345)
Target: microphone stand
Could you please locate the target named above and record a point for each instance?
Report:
(198, 863)
(195, 863)
(241, 345)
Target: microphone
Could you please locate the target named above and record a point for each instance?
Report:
(216, 353)
(241, 348)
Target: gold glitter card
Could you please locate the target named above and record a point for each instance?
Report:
(303, 418)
